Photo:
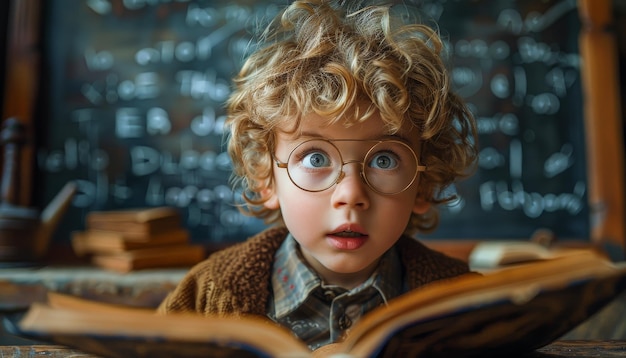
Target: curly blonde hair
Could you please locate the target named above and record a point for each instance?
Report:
(324, 58)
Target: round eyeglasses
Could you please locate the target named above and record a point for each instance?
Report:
(389, 166)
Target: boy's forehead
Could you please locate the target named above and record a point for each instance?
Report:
(372, 127)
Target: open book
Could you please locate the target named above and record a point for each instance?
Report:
(497, 254)
(513, 310)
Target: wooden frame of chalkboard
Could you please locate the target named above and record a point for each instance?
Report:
(603, 123)
(568, 43)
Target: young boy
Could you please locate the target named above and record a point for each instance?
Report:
(343, 131)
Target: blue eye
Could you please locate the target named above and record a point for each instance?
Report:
(316, 160)
(384, 161)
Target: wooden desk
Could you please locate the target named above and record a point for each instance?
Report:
(582, 349)
(145, 288)
(19, 287)
(557, 349)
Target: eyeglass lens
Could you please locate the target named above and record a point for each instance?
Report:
(389, 166)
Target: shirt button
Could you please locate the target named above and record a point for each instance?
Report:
(330, 295)
(344, 322)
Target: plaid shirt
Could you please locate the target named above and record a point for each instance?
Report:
(320, 314)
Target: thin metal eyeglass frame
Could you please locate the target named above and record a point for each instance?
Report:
(341, 174)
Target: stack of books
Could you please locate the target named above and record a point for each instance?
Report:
(134, 239)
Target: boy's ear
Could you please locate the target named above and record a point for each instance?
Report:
(271, 199)
(421, 206)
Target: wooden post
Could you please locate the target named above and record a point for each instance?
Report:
(21, 84)
(603, 123)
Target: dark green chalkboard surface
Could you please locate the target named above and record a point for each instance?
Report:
(133, 97)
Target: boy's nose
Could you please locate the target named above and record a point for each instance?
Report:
(351, 189)
(342, 174)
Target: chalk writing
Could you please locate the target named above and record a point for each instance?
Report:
(138, 117)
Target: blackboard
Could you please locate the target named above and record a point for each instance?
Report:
(132, 109)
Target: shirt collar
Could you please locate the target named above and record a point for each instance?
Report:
(293, 280)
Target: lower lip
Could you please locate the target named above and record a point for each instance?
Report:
(347, 243)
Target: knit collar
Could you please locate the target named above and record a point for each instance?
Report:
(293, 280)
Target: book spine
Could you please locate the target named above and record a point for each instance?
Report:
(151, 258)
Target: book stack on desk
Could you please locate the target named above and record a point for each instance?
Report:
(134, 239)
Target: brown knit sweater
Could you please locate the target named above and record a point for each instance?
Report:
(236, 280)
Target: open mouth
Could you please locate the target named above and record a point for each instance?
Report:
(347, 239)
(348, 233)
